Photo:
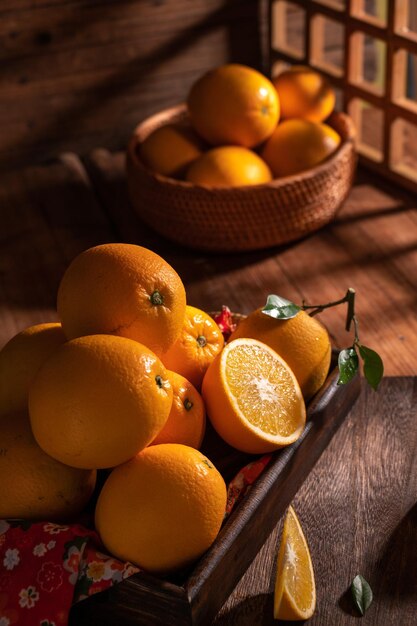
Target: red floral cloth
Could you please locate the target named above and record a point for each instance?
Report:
(242, 482)
(45, 567)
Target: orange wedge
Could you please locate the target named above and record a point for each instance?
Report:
(295, 589)
(253, 398)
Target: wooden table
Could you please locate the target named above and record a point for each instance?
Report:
(358, 505)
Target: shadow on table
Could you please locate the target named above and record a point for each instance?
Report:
(258, 609)
(397, 565)
(252, 610)
(346, 604)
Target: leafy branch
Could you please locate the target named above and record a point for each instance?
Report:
(348, 361)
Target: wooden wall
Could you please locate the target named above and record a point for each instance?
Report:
(77, 74)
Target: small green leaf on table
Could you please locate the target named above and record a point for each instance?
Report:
(280, 308)
(373, 367)
(348, 365)
(361, 594)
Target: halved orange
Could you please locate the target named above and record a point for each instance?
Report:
(295, 588)
(253, 398)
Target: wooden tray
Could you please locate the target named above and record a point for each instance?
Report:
(196, 596)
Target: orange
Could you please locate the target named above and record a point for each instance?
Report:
(197, 346)
(233, 104)
(304, 93)
(302, 342)
(98, 400)
(21, 358)
(295, 588)
(170, 149)
(228, 166)
(187, 420)
(122, 289)
(32, 484)
(252, 398)
(299, 145)
(163, 509)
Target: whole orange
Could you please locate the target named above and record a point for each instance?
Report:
(122, 289)
(33, 485)
(304, 93)
(228, 166)
(196, 347)
(170, 149)
(303, 342)
(21, 358)
(186, 422)
(233, 104)
(163, 509)
(98, 400)
(298, 145)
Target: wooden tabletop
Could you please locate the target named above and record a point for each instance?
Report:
(358, 509)
(358, 505)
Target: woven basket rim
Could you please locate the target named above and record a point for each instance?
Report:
(171, 183)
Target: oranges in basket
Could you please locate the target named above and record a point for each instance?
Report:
(264, 174)
(233, 105)
(297, 145)
(304, 94)
(253, 129)
(170, 149)
(229, 166)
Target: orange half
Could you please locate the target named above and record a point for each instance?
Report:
(253, 398)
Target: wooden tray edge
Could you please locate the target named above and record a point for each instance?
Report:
(255, 518)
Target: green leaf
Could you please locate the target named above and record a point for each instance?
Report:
(280, 308)
(82, 585)
(348, 365)
(361, 594)
(373, 367)
(77, 542)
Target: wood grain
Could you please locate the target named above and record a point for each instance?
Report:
(359, 514)
(70, 69)
(48, 215)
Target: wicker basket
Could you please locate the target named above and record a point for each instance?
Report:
(240, 218)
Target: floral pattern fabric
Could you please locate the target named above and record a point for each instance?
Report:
(46, 567)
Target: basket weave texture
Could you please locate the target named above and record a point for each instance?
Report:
(240, 218)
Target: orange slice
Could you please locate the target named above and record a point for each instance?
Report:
(295, 588)
(253, 398)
